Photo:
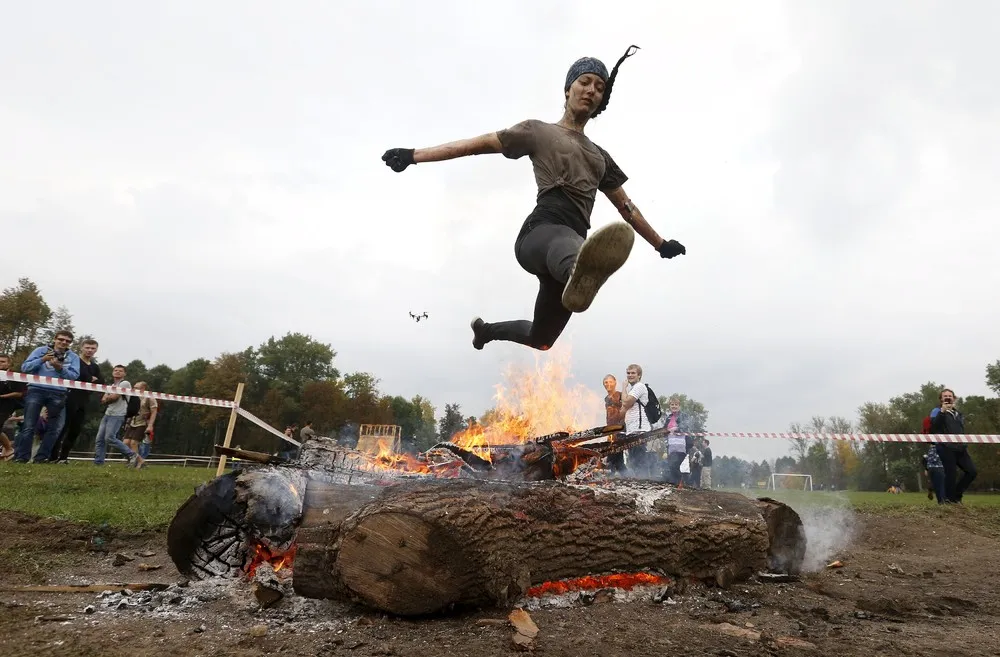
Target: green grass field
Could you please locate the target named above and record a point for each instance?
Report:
(147, 499)
(868, 500)
(128, 499)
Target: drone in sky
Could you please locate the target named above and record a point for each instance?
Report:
(417, 318)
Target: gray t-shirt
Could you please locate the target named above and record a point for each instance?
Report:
(119, 407)
(563, 158)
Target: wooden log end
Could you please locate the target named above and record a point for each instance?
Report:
(403, 565)
(787, 536)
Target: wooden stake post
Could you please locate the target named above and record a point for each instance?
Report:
(230, 428)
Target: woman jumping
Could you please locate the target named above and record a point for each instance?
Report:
(552, 244)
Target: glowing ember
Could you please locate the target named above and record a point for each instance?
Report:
(624, 581)
(278, 560)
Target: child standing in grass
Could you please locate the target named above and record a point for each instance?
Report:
(934, 469)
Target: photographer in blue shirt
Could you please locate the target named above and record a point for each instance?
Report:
(55, 361)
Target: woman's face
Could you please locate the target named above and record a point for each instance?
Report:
(585, 94)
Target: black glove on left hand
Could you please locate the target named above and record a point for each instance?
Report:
(671, 248)
(398, 159)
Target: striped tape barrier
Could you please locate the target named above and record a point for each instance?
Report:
(225, 403)
(35, 379)
(131, 392)
(861, 437)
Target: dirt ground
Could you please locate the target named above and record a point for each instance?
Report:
(912, 584)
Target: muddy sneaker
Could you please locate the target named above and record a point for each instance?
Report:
(602, 254)
(478, 333)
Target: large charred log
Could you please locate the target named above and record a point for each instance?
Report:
(423, 547)
(418, 544)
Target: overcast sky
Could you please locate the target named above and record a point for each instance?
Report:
(194, 177)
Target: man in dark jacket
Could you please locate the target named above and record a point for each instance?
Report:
(77, 400)
(946, 419)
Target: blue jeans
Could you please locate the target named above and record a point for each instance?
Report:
(111, 425)
(35, 399)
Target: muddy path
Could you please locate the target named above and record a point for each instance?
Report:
(914, 583)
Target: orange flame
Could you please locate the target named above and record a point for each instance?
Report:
(534, 401)
(278, 560)
(624, 581)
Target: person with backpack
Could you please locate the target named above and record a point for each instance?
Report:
(934, 469)
(140, 418)
(113, 421)
(642, 411)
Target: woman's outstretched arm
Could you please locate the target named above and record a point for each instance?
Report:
(398, 159)
(481, 145)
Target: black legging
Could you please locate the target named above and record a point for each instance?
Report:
(548, 251)
(75, 416)
(954, 460)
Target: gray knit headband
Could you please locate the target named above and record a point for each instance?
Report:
(593, 65)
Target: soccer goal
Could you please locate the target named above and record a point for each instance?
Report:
(807, 480)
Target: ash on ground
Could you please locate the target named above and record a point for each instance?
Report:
(655, 594)
(196, 600)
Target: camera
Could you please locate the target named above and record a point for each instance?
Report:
(60, 355)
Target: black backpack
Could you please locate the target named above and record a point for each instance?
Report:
(652, 408)
(134, 402)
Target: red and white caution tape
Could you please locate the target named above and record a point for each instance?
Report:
(226, 403)
(862, 437)
(116, 390)
(265, 426)
(132, 392)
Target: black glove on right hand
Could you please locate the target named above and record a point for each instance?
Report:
(671, 248)
(398, 159)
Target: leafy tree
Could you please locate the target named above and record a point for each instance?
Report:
(730, 472)
(817, 463)
(426, 434)
(23, 318)
(220, 380)
(694, 409)
(452, 422)
(292, 362)
(61, 320)
(326, 404)
(786, 464)
(993, 377)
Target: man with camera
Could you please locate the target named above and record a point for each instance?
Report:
(946, 419)
(56, 361)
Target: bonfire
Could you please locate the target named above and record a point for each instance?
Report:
(519, 504)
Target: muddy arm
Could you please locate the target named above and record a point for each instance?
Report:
(633, 216)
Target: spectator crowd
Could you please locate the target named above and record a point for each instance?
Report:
(41, 422)
(681, 459)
